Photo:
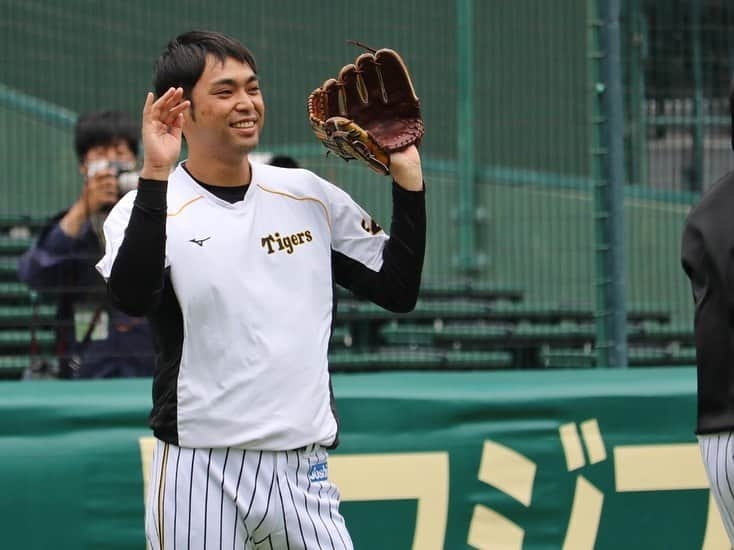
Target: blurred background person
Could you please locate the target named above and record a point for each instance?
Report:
(93, 339)
(264, 157)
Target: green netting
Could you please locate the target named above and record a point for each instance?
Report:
(532, 129)
(679, 56)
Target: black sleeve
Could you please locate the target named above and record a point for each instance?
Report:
(693, 259)
(707, 246)
(136, 279)
(395, 287)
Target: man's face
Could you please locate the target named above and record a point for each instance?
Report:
(117, 151)
(227, 112)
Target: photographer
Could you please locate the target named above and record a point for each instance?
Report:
(93, 339)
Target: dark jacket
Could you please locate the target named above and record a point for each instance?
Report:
(62, 269)
(707, 254)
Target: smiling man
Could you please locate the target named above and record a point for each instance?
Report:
(235, 263)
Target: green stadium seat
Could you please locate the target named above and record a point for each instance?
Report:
(10, 223)
(668, 357)
(13, 366)
(538, 345)
(458, 290)
(457, 359)
(425, 359)
(469, 310)
(340, 337)
(400, 334)
(654, 333)
(343, 361)
(8, 269)
(524, 341)
(640, 313)
(450, 335)
(466, 289)
(425, 309)
(636, 357)
(10, 246)
(19, 341)
(554, 358)
(25, 316)
(14, 293)
(520, 335)
(561, 334)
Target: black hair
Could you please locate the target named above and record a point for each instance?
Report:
(183, 60)
(104, 128)
(731, 111)
(283, 161)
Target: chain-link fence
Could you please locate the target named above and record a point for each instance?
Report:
(506, 86)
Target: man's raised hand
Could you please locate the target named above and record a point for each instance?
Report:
(161, 128)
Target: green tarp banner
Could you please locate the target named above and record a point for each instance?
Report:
(567, 459)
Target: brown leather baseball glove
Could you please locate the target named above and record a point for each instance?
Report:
(369, 111)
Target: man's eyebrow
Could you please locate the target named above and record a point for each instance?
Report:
(233, 82)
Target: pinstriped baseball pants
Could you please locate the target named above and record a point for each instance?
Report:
(717, 451)
(243, 500)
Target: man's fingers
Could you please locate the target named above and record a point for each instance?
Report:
(167, 108)
(148, 104)
(168, 100)
(162, 123)
(174, 112)
(177, 126)
(178, 109)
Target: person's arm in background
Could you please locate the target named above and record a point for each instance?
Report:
(396, 285)
(66, 250)
(52, 260)
(100, 191)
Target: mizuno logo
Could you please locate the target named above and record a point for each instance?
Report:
(200, 242)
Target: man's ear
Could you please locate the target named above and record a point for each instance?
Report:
(188, 117)
(189, 113)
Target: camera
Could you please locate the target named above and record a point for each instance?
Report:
(127, 176)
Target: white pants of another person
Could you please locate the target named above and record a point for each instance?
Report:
(717, 451)
(240, 499)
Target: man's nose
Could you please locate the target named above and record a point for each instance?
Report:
(244, 101)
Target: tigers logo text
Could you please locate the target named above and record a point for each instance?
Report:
(276, 243)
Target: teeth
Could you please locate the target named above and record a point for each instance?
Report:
(245, 124)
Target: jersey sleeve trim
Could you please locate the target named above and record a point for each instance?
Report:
(294, 197)
(184, 205)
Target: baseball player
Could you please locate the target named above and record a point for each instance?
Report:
(234, 263)
(708, 260)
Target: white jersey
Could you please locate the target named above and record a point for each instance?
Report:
(254, 287)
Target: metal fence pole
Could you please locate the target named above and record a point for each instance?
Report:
(608, 172)
(695, 177)
(467, 260)
(636, 45)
